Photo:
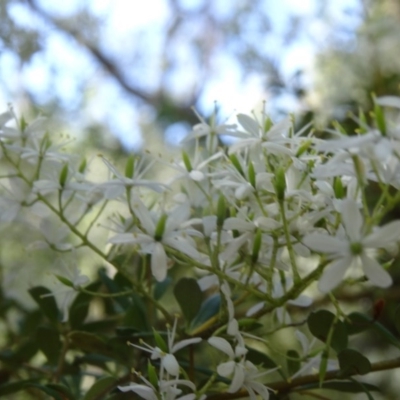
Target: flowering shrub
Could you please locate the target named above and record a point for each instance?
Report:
(203, 276)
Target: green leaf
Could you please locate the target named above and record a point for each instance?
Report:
(115, 286)
(351, 361)
(101, 386)
(63, 390)
(90, 343)
(209, 308)
(79, 308)
(48, 340)
(321, 322)
(64, 281)
(136, 315)
(357, 322)
(397, 318)
(160, 342)
(13, 387)
(189, 297)
(343, 386)
(161, 287)
(46, 302)
(263, 360)
(293, 361)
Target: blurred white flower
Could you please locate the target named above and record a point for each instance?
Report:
(351, 248)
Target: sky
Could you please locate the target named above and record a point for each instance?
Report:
(122, 18)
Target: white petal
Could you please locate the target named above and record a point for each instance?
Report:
(375, 273)
(238, 379)
(324, 243)
(159, 262)
(142, 390)
(196, 175)
(170, 364)
(184, 343)
(225, 369)
(333, 274)
(222, 344)
(254, 309)
(384, 235)
(352, 219)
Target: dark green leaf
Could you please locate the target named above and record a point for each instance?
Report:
(208, 309)
(136, 315)
(293, 361)
(321, 322)
(80, 306)
(357, 322)
(161, 287)
(13, 387)
(101, 386)
(48, 340)
(63, 390)
(351, 361)
(397, 318)
(263, 360)
(114, 286)
(46, 302)
(90, 343)
(189, 297)
(343, 386)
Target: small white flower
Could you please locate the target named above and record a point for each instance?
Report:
(168, 362)
(352, 249)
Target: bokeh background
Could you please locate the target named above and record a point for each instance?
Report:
(123, 76)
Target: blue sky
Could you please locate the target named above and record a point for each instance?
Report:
(123, 19)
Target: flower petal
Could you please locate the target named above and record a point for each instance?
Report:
(159, 262)
(170, 364)
(324, 243)
(222, 344)
(375, 273)
(384, 235)
(142, 390)
(352, 219)
(333, 274)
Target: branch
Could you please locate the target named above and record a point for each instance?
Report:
(159, 99)
(282, 387)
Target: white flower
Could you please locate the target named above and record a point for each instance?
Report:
(168, 389)
(243, 372)
(168, 361)
(352, 249)
(175, 234)
(118, 185)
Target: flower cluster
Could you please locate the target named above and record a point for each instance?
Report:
(235, 240)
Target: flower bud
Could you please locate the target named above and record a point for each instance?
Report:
(130, 166)
(63, 175)
(160, 228)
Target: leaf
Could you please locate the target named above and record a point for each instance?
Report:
(261, 359)
(114, 286)
(79, 308)
(90, 343)
(397, 318)
(13, 387)
(321, 322)
(136, 315)
(293, 361)
(189, 297)
(63, 390)
(357, 322)
(343, 386)
(46, 302)
(48, 340)
(103, 384)
(209, 308)
(161, 287)
(351, 361)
